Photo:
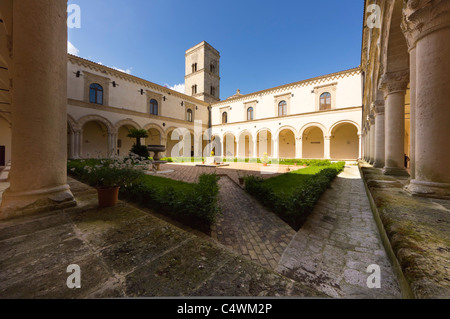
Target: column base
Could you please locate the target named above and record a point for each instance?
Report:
(395, 171)
(378, 165)
(428, 189)
(15, 205)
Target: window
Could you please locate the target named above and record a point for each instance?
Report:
(189, 115)
(96, 94)
(250, 114)
(282, 108)
(194, 67)
(224, 118)
(325, 101)
(154, 107)
(194, 89)
(213, 91)
(212, 68)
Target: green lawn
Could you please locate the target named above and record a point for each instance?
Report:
(292, 196)
(287, 183)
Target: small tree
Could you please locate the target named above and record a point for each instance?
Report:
(137, 147)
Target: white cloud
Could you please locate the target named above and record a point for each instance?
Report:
(72, 49)
(177, 87)
(128, 71)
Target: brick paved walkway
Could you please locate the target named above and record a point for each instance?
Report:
(330, 253)
(244, 225)
(248, 228)
(337, 244)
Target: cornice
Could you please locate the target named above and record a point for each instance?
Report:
(133, 79)
(279, 89)
(422, 17)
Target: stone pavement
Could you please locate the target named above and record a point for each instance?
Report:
(337, 244)
(244, 225)
(124, 252)
(330, 253)
(417, 229)
(248, 228)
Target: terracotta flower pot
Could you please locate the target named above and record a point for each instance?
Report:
(108, 197)
(264, 164)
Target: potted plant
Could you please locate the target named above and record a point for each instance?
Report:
(110, 175)
(265, 159)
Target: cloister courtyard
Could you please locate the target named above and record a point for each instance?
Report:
(332, 186)
(133, 251)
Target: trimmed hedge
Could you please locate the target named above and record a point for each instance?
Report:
(293, 206)
(194, 205)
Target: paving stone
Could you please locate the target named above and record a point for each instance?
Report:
(336, 261)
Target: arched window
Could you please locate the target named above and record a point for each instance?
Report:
(282, 108)
(154, 107)
(224, 118)
(250, 114)
(325, 101)
(189, 115)
(96, 94)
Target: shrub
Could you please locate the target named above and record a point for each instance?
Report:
(140, 150)
(293, 206)
(194, 205)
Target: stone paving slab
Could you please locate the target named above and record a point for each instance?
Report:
(124, 252)
(337, 244)
(417, 229)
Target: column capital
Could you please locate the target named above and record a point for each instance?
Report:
(394, 82)
(377, 108)
(422, 17)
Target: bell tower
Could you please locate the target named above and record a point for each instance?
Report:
(202, 79)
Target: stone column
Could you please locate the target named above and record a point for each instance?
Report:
(112, 144)
(77, 144)
(372, 139)
(327, 146)
(39, 110)
(276, 148)
(360, 147)
(255, 147)
(378, 109)
(299, 148)
(394, 85)
(366, 145)
(426, 25)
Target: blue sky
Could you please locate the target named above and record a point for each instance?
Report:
(263, 43)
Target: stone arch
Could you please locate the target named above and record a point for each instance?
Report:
(182, 146)
(358, 128)
(264, 137)
(313, 124)
(245, 142)
(124, 143)
(286, 142)
(344, 141)
(72, 124)
(229, 143)
(92, 118)
(313, 141)
(216, 144)
(96, 141)
(127, 122)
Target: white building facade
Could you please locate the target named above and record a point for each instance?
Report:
(318, 118)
